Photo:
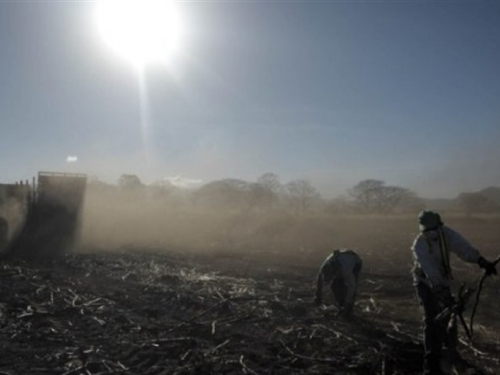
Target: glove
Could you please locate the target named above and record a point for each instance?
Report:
(488, 266)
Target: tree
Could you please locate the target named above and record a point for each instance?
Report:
(301, 195)
(375, 196)
(339, 205)
(389, 197)
(270, 181)
(230, 194)
(95, 185)
(129, 182)
(365, 194)
(265, 192)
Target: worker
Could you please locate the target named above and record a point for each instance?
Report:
(432, 275)
(341, 270)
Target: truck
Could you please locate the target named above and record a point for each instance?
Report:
(50, 216)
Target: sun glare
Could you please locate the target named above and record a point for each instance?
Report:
(142, 31)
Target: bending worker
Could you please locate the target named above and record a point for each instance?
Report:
(432, 274)
(340, 270)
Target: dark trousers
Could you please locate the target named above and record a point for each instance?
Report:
(339, 290)
(437, 335)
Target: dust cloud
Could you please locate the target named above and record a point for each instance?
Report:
(140, 220)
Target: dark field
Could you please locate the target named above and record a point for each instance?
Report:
(243, 304)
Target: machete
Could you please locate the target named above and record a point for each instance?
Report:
(476, 301)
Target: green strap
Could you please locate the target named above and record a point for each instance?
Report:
(444, 252)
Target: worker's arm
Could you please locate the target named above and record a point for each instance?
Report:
(325, 275)
(460, 246)
(465, 251)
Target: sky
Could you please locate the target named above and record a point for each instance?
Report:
(335, 92)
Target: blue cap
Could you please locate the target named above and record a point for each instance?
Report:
(429, 220)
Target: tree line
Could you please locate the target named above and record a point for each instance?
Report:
(298, 197)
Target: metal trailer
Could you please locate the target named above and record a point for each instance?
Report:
(53, 216)
(4, 233)
(13, 204)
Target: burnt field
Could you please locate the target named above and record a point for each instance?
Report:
(227, 310)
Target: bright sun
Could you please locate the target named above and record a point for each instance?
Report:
(142, 31)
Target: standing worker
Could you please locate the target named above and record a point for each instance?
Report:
(432, 275)
(340, 270)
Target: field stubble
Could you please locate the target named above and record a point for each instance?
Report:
(226, 310)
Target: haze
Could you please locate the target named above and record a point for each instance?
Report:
(334, 92)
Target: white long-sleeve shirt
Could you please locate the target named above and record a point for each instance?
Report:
(428, 258)
(341, 263)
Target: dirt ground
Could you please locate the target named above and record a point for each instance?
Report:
(164, 311)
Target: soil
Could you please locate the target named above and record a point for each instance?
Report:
(168, 312)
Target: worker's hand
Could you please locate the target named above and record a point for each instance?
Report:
(317, 301)
(489, 267)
